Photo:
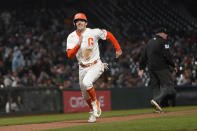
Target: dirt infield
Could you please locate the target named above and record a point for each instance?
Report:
(30, 127)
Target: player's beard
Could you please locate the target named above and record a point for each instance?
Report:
(81, 30)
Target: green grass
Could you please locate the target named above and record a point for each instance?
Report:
(170, 123)
(79, 116)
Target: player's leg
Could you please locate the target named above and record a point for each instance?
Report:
(94, 102)
(166, 84)
(93, 73)
(167, 88)
(155, 86)
(89, 96)
(92, 117)
(86, 96)
(89, 101)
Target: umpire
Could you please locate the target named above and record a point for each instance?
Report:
(156, 56)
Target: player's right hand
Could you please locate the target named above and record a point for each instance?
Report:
(80, 40)
(175, 69)
(118, 53)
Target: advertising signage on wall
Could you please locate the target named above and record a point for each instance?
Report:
(73, 101)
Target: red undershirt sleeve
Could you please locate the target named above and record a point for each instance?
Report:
(72, 52)
(113, 40)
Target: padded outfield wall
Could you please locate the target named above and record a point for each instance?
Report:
(54, 100)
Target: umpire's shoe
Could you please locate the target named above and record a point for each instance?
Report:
(154, 103)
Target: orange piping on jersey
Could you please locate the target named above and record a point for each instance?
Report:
(113, 40)
(72, 52)
(78, 33)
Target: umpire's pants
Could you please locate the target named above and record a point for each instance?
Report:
(161, 84)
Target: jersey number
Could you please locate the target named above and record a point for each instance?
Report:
(90, 41)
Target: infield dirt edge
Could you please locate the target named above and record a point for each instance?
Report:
(62, 124)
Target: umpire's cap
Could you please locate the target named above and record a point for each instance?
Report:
(162, 30)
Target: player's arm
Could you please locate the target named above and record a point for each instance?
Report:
(72, 52)
(167, 54)
(115, 43)
(142, 62)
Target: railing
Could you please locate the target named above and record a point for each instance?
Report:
(30, 100)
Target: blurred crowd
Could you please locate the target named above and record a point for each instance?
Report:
(33, 53)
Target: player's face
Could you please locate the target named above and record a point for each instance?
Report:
(81, 25)
(165, 36)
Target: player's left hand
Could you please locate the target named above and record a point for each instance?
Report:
(140, 73)
(118, 53)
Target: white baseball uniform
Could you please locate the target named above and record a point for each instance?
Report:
(88, 56)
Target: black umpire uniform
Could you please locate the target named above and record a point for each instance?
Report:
(156, 56)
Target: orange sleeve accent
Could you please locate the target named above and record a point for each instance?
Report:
(72, 52)
(113, 40)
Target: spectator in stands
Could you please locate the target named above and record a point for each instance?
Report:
(66, 84)
(6, 17)
(11, 106)
(195, 82)
(19, 103)
(18, 60)
(185, 78)
(8, 80)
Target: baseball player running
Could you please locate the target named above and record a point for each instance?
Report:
(83, 43)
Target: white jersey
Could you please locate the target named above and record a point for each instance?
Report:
(89, 49)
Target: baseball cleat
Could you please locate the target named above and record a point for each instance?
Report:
(157, 111)
(154, 103)
(92, 118)
(95, 108)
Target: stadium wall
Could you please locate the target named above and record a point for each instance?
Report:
(54, 100)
